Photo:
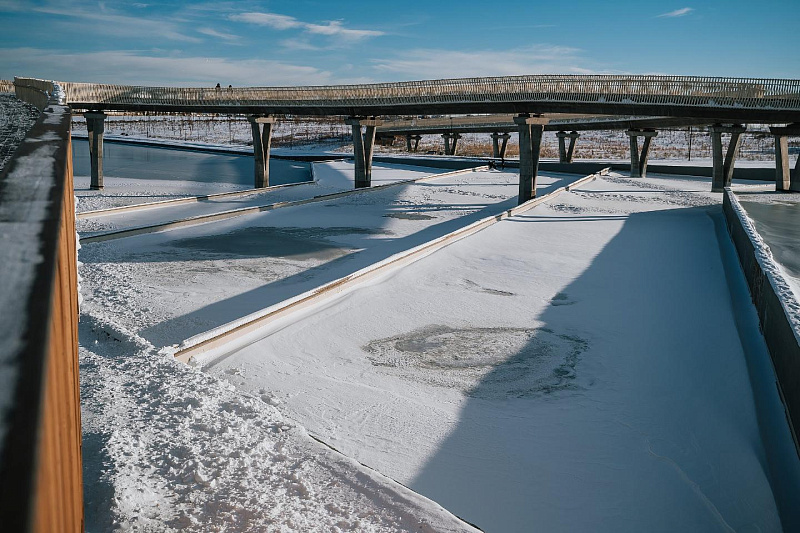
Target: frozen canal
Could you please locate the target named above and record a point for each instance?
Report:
(558, 371)
(160, 163)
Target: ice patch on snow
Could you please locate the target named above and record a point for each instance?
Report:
(491, 363)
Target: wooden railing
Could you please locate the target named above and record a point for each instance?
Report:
(40, 432)
(6, 86)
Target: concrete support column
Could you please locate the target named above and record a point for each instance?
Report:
(785, 179)
(417, 139)
(363, 144)
(408, 143)
(262, 140)
(450, 143)
(722, 172)
(565, 155)
(454, 146)
(499, 150)
(95, 126)
(562, 146)
(573, 137)
(505, 137)
(531, 129)
(639, 159)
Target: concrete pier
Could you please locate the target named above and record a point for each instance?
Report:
(722, 172)
(785, 179)
(498, 149)
(450, 143)
(639, 160)
(565, 154)
(416, 139)
(95, 126)
(531, 129)
(363, 144)
(262, 140)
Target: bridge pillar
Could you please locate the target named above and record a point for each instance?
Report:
(262, 140)
(417, 139)
(564, 154)
(408, 143)
(362, 148)
(639, 160)
(455, 137)
(498, 149)
(785, 180)
(531, 129)
(722, 172)
(450, 143)
(95, 126)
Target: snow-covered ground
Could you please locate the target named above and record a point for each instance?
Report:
(577, 367)
(168, 448)
(172, 285)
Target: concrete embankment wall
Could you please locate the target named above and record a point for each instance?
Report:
(778, 311)
(748, 173)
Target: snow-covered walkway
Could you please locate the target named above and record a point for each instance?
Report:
(577, 367)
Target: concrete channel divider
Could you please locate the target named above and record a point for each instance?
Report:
(186, 200)
(777, 308)
(236, 329)
(222, 215)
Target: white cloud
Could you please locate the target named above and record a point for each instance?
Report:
(142, 68)
(123, 25)
(272, 20)
(431, 64)
(218, 34)
(677, 13)
(334, 28)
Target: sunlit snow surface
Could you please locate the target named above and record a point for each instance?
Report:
(575, 367)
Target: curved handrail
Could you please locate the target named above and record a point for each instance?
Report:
(672, 90)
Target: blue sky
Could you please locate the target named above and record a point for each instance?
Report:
(178, 42)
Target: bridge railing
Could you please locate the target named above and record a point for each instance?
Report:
(6, 86)
(34, 91)
(684, 90)
(40, 433)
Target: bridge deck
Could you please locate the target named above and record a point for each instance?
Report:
(745, 99)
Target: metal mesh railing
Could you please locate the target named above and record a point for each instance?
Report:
(776, 94)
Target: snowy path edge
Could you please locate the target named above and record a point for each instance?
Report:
(186, 200)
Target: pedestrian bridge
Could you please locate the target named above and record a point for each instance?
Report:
(639, 103)
(740, 99)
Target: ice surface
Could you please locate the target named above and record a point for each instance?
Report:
(556, 369)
